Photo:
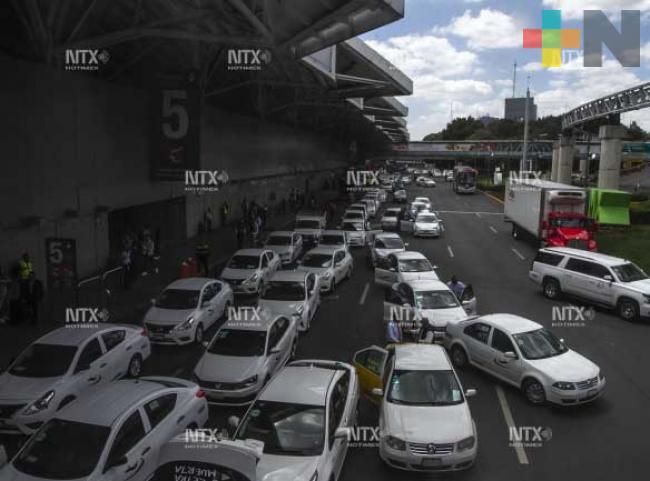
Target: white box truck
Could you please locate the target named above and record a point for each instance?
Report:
(554, 214)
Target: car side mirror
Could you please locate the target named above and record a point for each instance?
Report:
(153, 301)
(114, 463)
(233, 421)
(205, 344)
(470, 393)
(377, 391)
(4, 459)
(510, 355)
(343, 433)
(608, 278)
(275, 350)
(406, 244)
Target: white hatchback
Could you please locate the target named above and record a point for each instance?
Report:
(524, 354)
(402, 267)
(286, 244)
(294, 294)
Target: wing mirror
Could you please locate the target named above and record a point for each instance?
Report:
(205, 344)
(343, 433)
(470, 393)
(233, 421)
(510, 355)
(377, 391)
(608, 278)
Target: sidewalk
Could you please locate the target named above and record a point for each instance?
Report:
(130, 305)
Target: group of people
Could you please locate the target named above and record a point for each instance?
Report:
(20, 296)
(138, 257)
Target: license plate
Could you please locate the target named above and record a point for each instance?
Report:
(431, 462)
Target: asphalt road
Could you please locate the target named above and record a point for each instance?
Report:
(604, 440)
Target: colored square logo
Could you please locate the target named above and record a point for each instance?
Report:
(552, 57)
(532, 38)
(551, 39)
(570, 38)
(551, 19)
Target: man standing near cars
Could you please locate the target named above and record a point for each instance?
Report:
(456, 286)
(393, 332)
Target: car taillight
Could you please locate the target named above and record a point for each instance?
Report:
(200, 393)
(144, 332)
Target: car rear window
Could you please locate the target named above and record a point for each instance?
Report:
(548, 258)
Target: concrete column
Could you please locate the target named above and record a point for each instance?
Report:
(565, 159)
(609, 169)
(555, 161)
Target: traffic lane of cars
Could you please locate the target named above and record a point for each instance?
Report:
(601, 422)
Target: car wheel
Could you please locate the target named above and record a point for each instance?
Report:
(198, 335)
(135, 367)
(458, 356)
(628, 309)
(534, 392)
(551, 288)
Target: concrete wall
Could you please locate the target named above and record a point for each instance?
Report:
(72, 142)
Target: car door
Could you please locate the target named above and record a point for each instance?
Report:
(130, 458)
(468, 300)
(265, 271)
(274, 261)
(386, 271)
(220, 299)
(297, 246)
(407, 221)
(116, 357)
(370, 233)
(599, 288)
(370, 364)
(476, 337)
(163, 420)
(336, 418)
(209, 311)
(285, 340)
(90, 368)
(399, 305)
(505, 366)
(339, 265)
(575, 277)
(273, 351)
(313, 293)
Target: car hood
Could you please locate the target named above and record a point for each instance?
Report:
(414, 276)
(568, 367)
(24, 389)
(218, 368)
(156, 315)
(428, 424)
(440, 317)
(385, 252)
(237, 274)
(286, 308)
(286, 468)
(643, 285)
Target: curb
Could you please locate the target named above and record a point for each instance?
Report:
(496, 199)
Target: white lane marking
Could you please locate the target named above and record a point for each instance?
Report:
(518, 254)
(451, 253)
(493, 230)
(510, 422)
(478, 214)
(364, 294)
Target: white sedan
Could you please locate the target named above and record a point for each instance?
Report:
(390, 218)
(425, 200)
(425, 182)
(524, 354)
(333, 238)
(295, 294)
(112, 434)
(304, 417)
(249, 269)
(331, 264)
(60, 366)
(243, 356)
(426, 224)
(385, 243)
(185, 309)
(286, 244)
(402, 267)
(425, 423)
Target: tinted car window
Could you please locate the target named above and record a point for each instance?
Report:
(548, 258)
(501, 341)
(90, 354)
(158, 409)
(130, 433)
(478, 331)
(577, 265)
(113, 338)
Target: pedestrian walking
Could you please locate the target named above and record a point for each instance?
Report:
(207, 219)
(36, 293)
(148, 251)
(240, 233)
(203, 257)
(25, 271)
(125, 260)
(225, 210)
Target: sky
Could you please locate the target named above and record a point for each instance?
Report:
(460, 56)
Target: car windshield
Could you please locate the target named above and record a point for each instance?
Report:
(317, 260)
(424, 388)
(389, 243)
(353, 215)
(285, 428)
(629, 272)
(414, 265)
(43, 360)
(307, 224)
(353, 226)
(332, 240)
(44, 456)
(244, 262)
(426, 218)
(177, 299)
(284, 291)
(279, 240)
(435, 300)
(238, 342)
(539, 344)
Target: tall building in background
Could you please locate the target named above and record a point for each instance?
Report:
(516, 109)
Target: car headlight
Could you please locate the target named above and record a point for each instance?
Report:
(185, 325)
(327, 275)
(252, 278)
(40, 404)
(395, 443)
(467, 443)
(300, 310)
(564, 386)
(249, 382)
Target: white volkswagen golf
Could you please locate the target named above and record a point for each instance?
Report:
(248, 270)
(303, 417)
(526, 355)
(425, 422)
(293, 294)
(331, 264)
(244, 355)
(60, 366)
(186, 309)
(112, 434)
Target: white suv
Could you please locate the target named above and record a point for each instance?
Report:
(597, 278)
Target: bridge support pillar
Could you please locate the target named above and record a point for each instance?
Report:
(565, 158)
(609, 169)
(555, 161)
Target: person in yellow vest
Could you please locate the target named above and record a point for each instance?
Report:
(25, 272)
